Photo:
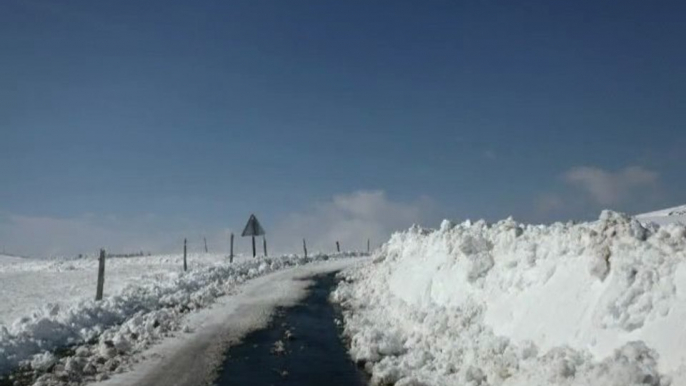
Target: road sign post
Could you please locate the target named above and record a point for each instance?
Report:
(252, 229)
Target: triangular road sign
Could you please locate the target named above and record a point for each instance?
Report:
(253, 227)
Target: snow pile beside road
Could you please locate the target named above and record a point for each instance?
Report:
(101, 336)
(599, 303)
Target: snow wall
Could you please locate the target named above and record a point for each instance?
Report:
(600, 303)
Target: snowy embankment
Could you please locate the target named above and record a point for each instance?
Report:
(145, 300)
(600, 303)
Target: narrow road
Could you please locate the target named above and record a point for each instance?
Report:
(301, 346)
(198, 357)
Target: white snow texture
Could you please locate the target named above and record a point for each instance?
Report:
(599, 303)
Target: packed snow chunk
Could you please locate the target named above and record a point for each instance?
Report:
(600, 303)
(43, 361)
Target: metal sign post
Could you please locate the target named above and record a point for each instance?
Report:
(253, 228)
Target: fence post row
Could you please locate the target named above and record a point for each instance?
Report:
(101, 275)
(185, 266)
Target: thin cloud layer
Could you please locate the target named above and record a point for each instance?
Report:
(583, 191)
(43, 237)
(350, 219)
(611, 188)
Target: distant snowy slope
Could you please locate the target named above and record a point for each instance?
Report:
(676, 214)
(9, 259)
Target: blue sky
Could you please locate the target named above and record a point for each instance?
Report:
(150, 120)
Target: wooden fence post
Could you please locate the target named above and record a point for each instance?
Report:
(338, 247)
(101, 275)
(231, 255)
(205, 239)
(305, 247)
(185, 266)
(264, 243)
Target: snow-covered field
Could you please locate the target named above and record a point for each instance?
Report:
(598, 303)
(48, 305)
(30, 284)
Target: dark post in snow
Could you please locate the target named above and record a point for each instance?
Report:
(338, 247)
(185, 266)
(205, 239)
(101, 275)
(367, 245)
(253, 228)
(264, 244)
(231, 254)
(305, 247)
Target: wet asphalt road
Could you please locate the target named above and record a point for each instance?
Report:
(301, 346)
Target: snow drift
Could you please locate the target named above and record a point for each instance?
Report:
(599, 303)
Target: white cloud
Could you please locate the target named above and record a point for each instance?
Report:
(350, 219)
(612, 188)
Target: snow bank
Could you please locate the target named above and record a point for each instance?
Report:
(599, 303)
(101, 334)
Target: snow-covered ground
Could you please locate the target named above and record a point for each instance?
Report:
(599, 303)
(48, 305)
(673, 215)
(30, 284)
